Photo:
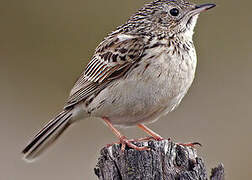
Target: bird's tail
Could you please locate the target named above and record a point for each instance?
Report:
(47, 135)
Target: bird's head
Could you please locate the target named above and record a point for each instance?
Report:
(170, 17)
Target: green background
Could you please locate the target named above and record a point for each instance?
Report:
(44, 46)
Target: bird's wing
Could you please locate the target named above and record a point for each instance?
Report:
(111, 60)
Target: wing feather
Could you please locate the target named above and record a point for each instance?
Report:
(112, 58)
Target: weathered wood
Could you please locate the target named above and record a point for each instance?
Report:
(165, 161)
(218, 173)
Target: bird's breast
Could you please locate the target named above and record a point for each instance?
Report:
(169, 69)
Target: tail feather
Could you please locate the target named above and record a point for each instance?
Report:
(47, 135)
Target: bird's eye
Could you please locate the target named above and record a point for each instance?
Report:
(174, 12)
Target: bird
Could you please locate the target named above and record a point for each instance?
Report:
(139, 72)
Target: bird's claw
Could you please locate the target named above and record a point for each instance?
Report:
(125, 141)
(193, 144)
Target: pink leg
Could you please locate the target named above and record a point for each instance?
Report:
(123, 139)
(150, 132)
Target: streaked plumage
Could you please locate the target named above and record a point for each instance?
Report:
(113, 57)
(138, 73)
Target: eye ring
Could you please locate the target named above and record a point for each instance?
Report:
(174, 12)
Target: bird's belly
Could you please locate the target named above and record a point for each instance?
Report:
(147, 93)
(130, 102)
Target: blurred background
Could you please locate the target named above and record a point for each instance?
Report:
(44, 46)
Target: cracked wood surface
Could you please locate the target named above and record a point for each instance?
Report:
(165, 161)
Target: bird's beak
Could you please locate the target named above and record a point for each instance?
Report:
(201, 8)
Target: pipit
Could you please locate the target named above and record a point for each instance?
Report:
(138, 73)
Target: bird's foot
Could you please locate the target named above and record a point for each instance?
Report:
(157, 138)
(125, 141)
(190, 144)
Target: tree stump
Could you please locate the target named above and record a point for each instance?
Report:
(165, 161)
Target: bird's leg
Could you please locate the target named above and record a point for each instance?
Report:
(152, 134)
(123, 139)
